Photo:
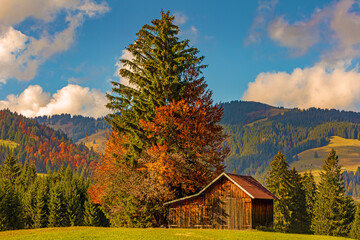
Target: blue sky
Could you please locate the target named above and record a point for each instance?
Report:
(60, 56)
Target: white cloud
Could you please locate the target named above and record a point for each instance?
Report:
(21, 54)
(316, 86)
(180, 18)
(119, 65)
(333, 82)
(299, 36)
(72, 99)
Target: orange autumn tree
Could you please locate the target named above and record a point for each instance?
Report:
(130, 197)
(187, 140)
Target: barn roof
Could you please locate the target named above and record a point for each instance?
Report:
(246, 183)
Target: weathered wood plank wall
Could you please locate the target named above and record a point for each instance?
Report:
(223, 206)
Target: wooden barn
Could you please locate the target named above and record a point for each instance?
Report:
(228, 202)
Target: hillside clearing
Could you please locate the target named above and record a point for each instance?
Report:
(76, 233)
(348, 151)
(96, 140)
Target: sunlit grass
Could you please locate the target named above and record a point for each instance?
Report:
(347, 149)
(85, 233)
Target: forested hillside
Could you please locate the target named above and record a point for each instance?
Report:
(75, 127)
(254, 141)
(39, 144)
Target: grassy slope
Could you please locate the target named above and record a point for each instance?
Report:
(96, 140)
(347, 149)
(84, 233)
(9, 143)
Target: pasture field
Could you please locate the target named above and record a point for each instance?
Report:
(348, 151)
(89, 233)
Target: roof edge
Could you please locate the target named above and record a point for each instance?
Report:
(197, 194)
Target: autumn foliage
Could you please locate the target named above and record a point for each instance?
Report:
(167, 141)
(41, 145)
(187, 141)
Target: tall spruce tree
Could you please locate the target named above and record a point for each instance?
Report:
(300, 221)
(309, 185)
(279, 183)
(56, 207)
(333, 211)
(155, 75)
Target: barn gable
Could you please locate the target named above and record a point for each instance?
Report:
(229, 202)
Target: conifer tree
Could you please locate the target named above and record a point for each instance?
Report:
(10, 169)
(355, 226)
(279, 183)
(156, 77)
(300, 221)
(333, 211)
(90, 214)
(40, 209)
(309, 185)
(56, 210)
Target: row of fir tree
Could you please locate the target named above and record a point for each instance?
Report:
(306, 207)
(56, 199)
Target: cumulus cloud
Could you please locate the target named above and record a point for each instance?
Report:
(21, 54)
(309, 87)
(333, 82)
(72, 99)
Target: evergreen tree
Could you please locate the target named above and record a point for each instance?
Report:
(56, 210)
(300, 221)
(90, 214)
(279, 183)
(40, 210)
(309, 185)
(10, 170)
(333, 211)
(355, 226)
(156, 76)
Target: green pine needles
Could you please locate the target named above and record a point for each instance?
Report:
(333, 211)
(304, 207)
(156, 75)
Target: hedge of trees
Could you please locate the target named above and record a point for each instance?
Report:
(306, 207)
(56, 199)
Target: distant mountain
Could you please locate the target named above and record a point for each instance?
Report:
(256, 132)
(75, 127)
(254, 141)
(40, 144)
(243, 112)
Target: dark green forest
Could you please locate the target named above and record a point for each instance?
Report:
(75, 127)
(57, 199)
(262, 131)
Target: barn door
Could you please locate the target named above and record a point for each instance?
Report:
(238, 213)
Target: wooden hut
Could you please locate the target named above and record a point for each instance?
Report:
(228, 202)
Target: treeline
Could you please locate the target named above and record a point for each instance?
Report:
(41, 145)
(75, 127)
(56, 199)
(305, 207)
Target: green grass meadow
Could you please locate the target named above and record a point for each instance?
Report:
(348, 151)
(87, 233)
